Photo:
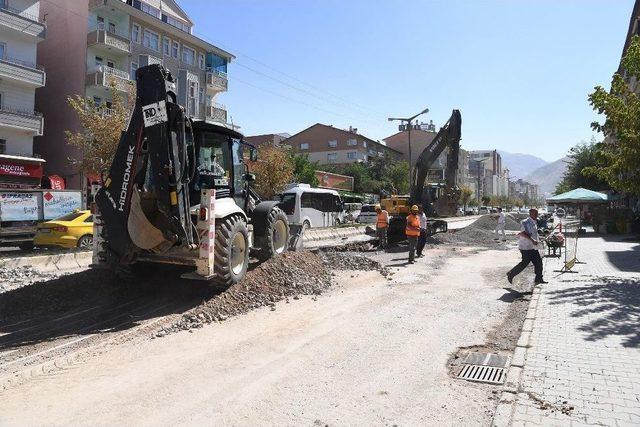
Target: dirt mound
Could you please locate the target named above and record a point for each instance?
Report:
(486, 222)
(289, 275)
(350, 261)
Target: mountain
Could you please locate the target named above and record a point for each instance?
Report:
(548, 176)
(520, 165)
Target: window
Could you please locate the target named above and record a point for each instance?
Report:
(201, 62)
(352, 155)
(201, 97)
(100, 21)
(108, 104)
(151, 40)
(332, 157)
(176, 23)
(352, 142)
(364, 144)
(304, 146)
(134, 67)
(135, 33)
(112, 27)
(150, 10)
(333, 143)
(3, 146)
(97, 100)
(188, 55)
(175, 49)
(3, 50)
(166, 46)
(110, 64)
(89, 219)
(372, 152)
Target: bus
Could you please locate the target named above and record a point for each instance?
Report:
(312, 207)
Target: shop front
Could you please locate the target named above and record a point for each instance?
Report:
(18, 172)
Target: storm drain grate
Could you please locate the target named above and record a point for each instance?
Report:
(483, 374)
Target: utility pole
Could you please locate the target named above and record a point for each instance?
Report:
(407, 121)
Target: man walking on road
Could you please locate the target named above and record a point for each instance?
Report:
(382, 225)
(500, 226)
(412, 231)
(422, 240)
(528, 244)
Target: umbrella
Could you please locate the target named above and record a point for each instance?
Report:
(579, 195)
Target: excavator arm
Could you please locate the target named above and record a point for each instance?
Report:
(448, 136)
(145, 198)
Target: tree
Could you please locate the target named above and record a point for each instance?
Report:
(396, 177)
(618, 161)
(100, 131)
(304, 170)
(273, 170)
(362, 180)
(485, 200)
(465, 196)
(581, 158)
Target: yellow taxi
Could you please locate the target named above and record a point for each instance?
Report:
(73, 230)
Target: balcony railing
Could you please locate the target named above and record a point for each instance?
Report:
(217, 81)
(99, 35)
(24, 71)
(216, 112)
(19, 118)
(105, 76)
(21, 21)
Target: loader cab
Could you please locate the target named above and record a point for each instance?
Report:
(220, 163)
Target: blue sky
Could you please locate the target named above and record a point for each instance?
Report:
(519, 71)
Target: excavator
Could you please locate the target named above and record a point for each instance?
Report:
(179, 192)
(435, 201)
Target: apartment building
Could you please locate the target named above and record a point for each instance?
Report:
(21, 29)
(495, 178)
(267, 139)
(329, 145)
(103, 42)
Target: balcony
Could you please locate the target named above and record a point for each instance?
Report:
(108, 41)
(216, 113)
(21, 71)
(21, 21)
(16, 118)
(217, 81)
(103, 76)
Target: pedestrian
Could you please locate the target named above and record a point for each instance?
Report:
(412, 231)
(422, 240)
(382, 225)
(500, 225)
(528, 244)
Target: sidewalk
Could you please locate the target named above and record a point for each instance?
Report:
(581, 363)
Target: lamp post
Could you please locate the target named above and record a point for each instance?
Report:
(408, 121)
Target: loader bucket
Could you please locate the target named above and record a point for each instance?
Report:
(142, 232)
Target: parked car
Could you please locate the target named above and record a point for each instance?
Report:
(351, 210)
(73, 230)
(471, 211)
(368, 214)
(483, 210)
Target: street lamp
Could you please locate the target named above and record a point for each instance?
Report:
(408, 121)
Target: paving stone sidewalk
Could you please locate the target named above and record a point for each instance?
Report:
(580, 361)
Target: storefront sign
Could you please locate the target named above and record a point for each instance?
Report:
(17, 206)
(58, 203)
(57, 183)
(15, 169)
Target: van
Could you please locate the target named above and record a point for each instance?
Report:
(368, 214)
(312, 207)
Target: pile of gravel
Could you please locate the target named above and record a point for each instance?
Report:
(289, 275)
(16, 277)
(351, 261)
(479, 233)
(486, 222)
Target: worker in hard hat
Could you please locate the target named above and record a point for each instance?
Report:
(382, 225)
(412, 231)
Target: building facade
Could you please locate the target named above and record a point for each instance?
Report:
(267, 139)
(21, 30)
(99, 43)
(486, 167)
(329, 145)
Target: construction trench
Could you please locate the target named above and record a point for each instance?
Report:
(55, 319)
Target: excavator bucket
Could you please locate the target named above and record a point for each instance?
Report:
(142, 232)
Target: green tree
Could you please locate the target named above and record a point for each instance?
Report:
(273, 170)
(581, 158)
(362, 180)
(304, 170)
(396, 177)
(465, 196)
(618, 162)
(485, 200)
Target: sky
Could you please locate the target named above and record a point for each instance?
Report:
(518, 71)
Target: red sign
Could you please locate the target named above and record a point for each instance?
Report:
(57, 182)
(16, 169)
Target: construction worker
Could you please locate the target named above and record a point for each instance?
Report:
(422, 240)
(412, 231)
(382, 225)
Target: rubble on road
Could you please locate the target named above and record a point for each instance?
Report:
(17, 277)
(287, 276)
(479, 233)
(352, 261)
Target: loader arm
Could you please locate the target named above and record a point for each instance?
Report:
(144, 202)
(448, 136)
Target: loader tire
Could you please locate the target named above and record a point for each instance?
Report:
(231, 251)
(275, 240)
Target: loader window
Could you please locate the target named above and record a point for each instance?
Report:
(214, 158)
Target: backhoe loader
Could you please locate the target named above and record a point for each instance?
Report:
(178, 192)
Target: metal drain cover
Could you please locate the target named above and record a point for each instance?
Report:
(482, 374)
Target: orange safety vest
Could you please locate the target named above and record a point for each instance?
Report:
(413, 226)
(383, 219)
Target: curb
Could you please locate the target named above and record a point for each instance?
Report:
(331, 233)
(47, 263)
(508, 397)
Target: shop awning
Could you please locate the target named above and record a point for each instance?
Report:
(579, 195)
